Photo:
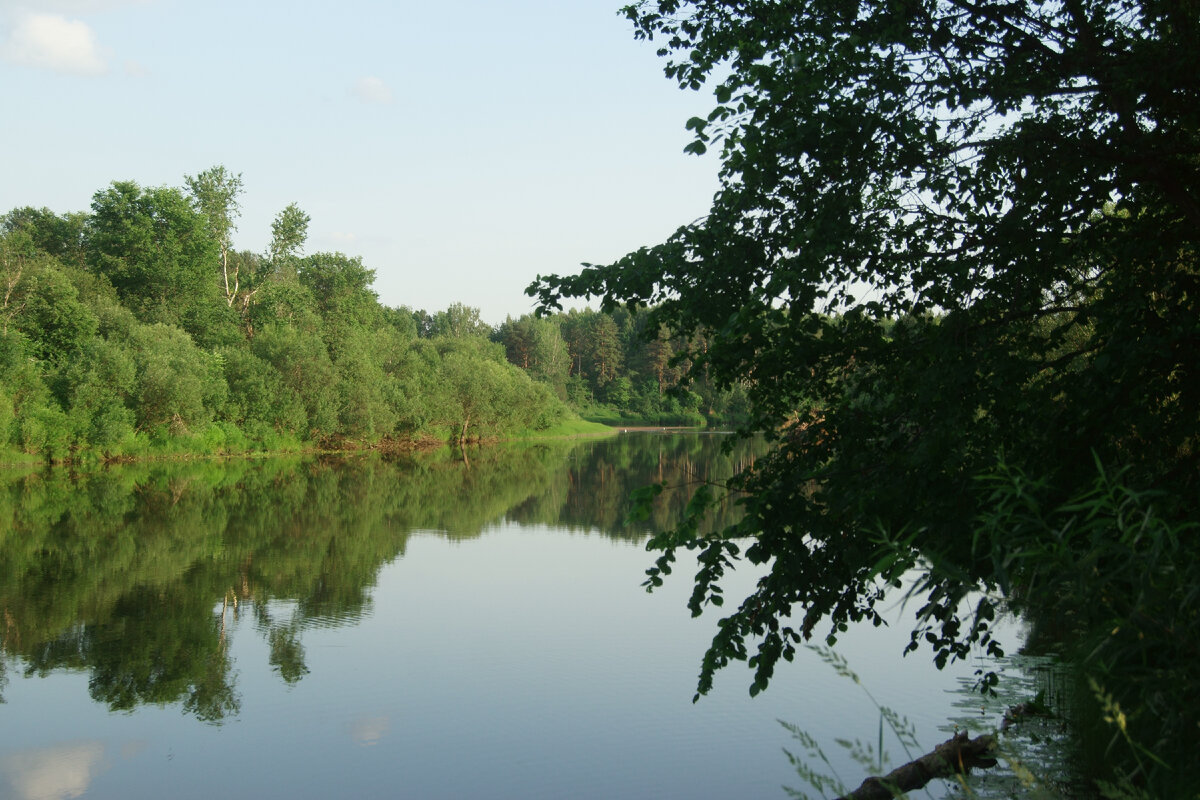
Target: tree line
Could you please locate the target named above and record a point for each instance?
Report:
(620, 366)
(137, 327)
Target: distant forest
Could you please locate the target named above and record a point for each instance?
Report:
(136, 328)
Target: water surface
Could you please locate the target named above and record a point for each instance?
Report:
(422, 627)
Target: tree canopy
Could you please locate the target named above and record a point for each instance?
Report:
(953, 239)
(120, 336)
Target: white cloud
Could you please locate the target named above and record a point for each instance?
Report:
(372, 90)
(50, 41)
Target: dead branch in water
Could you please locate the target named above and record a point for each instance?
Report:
(953, 757)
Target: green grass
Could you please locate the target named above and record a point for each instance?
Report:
(568, 427)
(608, 415)
(15, 458)
(220, 440)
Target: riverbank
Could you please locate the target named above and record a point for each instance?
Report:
(201, 446)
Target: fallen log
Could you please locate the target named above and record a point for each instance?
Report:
(952, 757)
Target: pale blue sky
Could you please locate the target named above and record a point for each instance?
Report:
(459, 148)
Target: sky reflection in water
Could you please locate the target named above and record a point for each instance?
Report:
(422, 629)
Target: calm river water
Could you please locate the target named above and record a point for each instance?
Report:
(420, 627)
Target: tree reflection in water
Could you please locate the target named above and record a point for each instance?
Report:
(135, 573)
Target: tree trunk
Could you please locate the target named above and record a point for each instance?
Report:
(952, 757)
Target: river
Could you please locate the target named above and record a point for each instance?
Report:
(422, 626)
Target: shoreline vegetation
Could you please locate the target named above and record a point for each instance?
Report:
(568, 429)
(136, 330)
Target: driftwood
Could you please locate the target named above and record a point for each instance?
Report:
(952, 757)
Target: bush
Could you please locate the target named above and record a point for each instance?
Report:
(1114, 581)
(47, 431)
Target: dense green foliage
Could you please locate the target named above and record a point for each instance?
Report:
(138, 329)
(619, 367)
(954, 242)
